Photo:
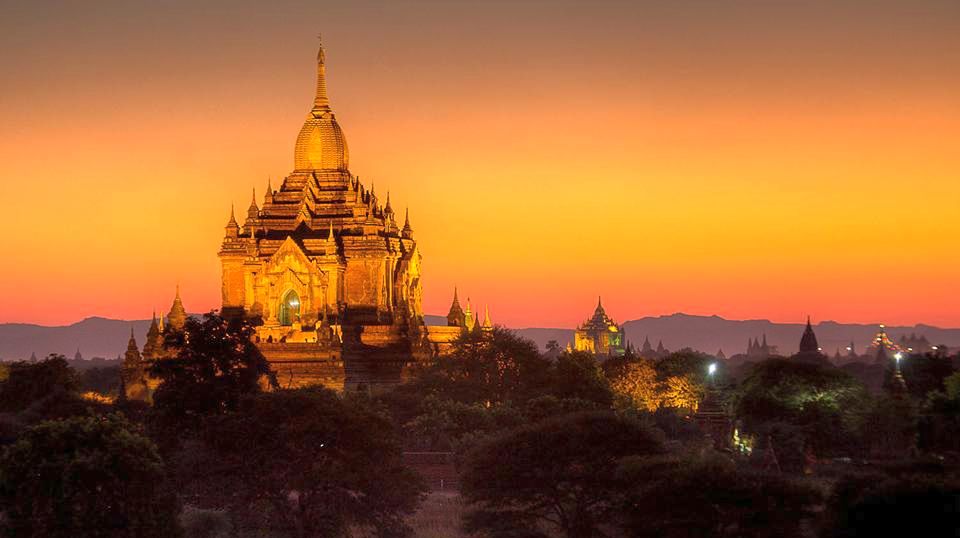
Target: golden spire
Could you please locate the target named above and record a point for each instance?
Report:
(321, 101)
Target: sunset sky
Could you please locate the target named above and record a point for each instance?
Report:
(745, 159)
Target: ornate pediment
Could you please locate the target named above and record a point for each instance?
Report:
(289, 257)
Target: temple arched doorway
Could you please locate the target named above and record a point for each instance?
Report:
(289, 308)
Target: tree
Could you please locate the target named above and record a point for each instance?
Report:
(86, 476)
(29, 382)
(636, 386)
(492, 368)
(675, 498)
(825, 402)
(105, 380)
(558, 474)
(303, 462)
(923, 373)
(683, 377)
(877, 505)
(215, 365)
(681, 392)
(576, 375)
(443, 423)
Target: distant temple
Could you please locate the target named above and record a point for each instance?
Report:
(882, 348)
(601, 335)
(467, 321)
(808, 342)
(760, 350)
(135, 380)
(914, 343)
(809, 347)
(647, 351)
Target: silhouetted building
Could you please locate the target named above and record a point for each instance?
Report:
(760, 350)
(808, 342)
(914, 343)
(133, 375)
(809, 347)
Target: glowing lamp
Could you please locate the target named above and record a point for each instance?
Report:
(712, 368)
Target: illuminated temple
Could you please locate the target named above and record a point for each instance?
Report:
(600, 335)
(327, 269)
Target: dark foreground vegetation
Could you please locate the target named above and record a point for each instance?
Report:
(562, 447)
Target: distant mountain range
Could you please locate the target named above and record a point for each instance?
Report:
(101, 337)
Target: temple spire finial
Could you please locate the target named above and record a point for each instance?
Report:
(321, 101)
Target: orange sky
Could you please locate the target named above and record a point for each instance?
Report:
(745, 159)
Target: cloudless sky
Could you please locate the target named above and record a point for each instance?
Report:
(747, 159)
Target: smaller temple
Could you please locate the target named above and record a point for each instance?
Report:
(467, 320)
(882, 348)
(809, 347)
(601, 335)
(135, 378)
(758, 349)
(808, 342)
(456, 317)
(133, 373)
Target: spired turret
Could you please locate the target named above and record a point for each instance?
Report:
(177, 317)
(456, 316)
(153, 347)
(808, 342)
(468, 320)
(133, 376)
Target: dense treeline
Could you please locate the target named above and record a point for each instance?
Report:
(564, 446)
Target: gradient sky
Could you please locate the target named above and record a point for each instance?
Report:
(746, 159)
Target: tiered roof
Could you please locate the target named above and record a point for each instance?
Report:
(320, 200)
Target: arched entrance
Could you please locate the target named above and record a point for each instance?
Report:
(289, 308)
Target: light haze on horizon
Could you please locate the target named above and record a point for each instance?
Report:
(751, 159)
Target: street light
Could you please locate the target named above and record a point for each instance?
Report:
(897, 357)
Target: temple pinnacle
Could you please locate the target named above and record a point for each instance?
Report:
(321, 101)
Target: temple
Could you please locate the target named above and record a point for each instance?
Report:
(134, 373)
(326, 271)
(322, 249)
(601, 336)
